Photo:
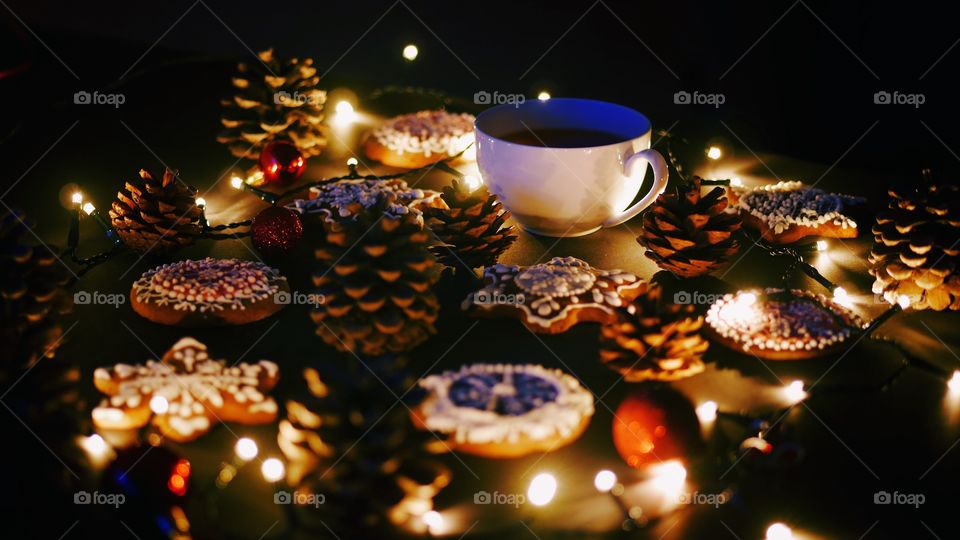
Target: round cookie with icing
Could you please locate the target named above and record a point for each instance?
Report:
(785, 212)
(782, 324)
(209, 292)
(553, 296)
(416, 140)
(345, 198)
(185, 393)
(504, 410)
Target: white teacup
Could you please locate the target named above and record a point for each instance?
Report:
(568, 191)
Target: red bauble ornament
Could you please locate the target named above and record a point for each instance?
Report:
(654, 425)
(281, 161)
(276, 231)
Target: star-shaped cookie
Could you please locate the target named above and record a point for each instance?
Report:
(551, 297)
(185, 393)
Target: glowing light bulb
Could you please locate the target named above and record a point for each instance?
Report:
(201, 202)
(98, 451)
(77, 198)
(472, 181)
(410, 52)
(842, 297)
(740, 311)
(236, 182)
(544, 95)
(272, 469)
(159, 405)
(822, 245)
(345, 113)
(954, 383)
(246, 449)
(779, 531)
(707, 411)
(668, 476)
(604, 481)
(714, 152)
(89, 208)
(904, 301)
(542, 489)
(794, 391)
(736, 181)
(352, 162)
(433, 520)
(95, 446)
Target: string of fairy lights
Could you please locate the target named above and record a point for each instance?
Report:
(667, 477)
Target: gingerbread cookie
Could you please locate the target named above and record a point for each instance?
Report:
(504, 410)
(209, 292)
(416, 140)
(553, 296)
(787, 211)
(185, 392)
(345, 198)
(780, 324)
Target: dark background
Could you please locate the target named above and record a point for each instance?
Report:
(798, 92)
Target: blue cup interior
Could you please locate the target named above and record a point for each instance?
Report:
(563, 113)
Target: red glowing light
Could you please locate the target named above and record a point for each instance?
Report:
(182, 468)
(177, 484)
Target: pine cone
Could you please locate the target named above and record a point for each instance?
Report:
(916, 252)
(471, 229)
(275, 100)
(689, 234)
(375, 277)
(156, 216)
(652, 341)
(34, 295)
(41, 392)
(351, 442)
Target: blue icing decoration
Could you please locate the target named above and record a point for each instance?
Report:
(476, 391)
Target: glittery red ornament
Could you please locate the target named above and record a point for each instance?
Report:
(281, 161)
(275, 231)
(656, 425)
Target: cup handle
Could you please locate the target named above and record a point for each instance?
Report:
(661, 174)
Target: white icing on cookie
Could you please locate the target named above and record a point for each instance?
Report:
(345, 198)
(555, 288)
(784, 204)
(196, 389)
(207, 284)
(558, 416)
(427, 133)
(779, 320)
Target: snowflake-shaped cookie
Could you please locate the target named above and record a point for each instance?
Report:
(553, 296)
(185, 392)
